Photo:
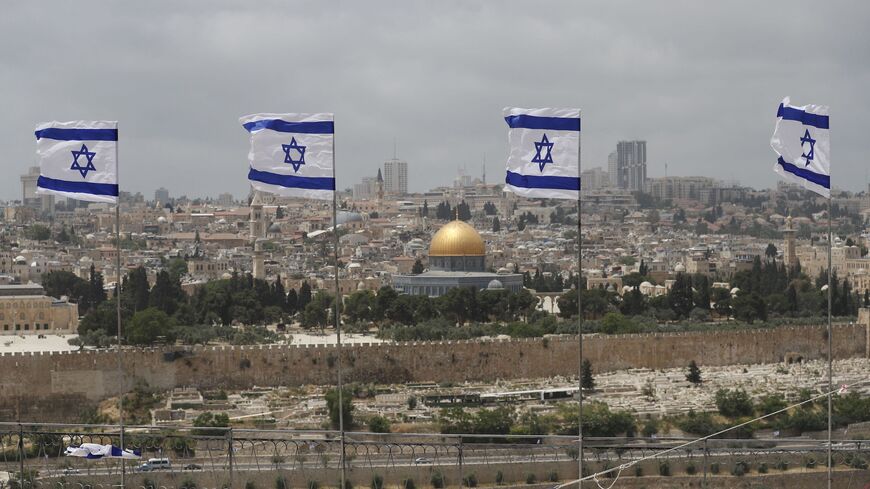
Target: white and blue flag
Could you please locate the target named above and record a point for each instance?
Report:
(292, 154)
(801, 139)
(95, 451)
(78, 159)
(544, 157)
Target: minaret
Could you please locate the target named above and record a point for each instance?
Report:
(484, 169)
(788, 234)
(257, 232)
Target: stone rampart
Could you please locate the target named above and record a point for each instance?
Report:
(45, 386)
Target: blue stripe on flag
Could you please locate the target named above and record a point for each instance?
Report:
(77, 187)
(793, 114)
(524, 121)
(318, 127)
(292, 181)
(816, 178)
(77, 134)
(537, 181)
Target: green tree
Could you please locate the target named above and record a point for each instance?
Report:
(587, 380)
(734, 403)
(418, 268)
(693, 374)
(633, 303)
(135, 290)
(347, 408)
(177, 268)
(359, 306)
(680, 297)
(304, 296)
(379, 424)
(749, 307)
(166, 294)
(496, 225)
(148, 325)
(316, 313)
(385, 298)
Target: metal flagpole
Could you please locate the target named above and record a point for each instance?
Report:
(579, 326)
(337, 320)
(830, 344)
(118, 309)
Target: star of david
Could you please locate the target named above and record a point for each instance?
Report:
(87, 154)
(808, 139)
(293, 146)
(544, 143)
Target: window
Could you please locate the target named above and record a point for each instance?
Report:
(26, 327)
(17, 327)
(5, 327)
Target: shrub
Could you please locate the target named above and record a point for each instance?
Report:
(530, 478)
(691, 470)
(733, 404)
(313, 485)
(664, 469)
(762, 468)
(437, 480)
(782, 465)
(187, 484)
(149, 484)
(714, 468)
(470, 480)
(638, 471)
(811, 464)
(250, 485)
(740, 468)
(858, 463)
(499, 478)
(553, 476)
(377, 482)
(347, 484)
(408, 484)
(280, 483)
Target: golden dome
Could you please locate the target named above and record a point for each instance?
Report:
(457, 238)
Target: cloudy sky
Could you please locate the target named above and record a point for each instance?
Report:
(700, 81)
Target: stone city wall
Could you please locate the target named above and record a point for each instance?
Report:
(54, 386)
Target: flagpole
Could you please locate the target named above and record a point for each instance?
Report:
(579, 325)
(830, 344)
(118, 310)
(336, 316)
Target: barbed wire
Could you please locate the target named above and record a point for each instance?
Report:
(622, 467)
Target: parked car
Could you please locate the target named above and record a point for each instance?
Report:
(155, 464)
(192, 467)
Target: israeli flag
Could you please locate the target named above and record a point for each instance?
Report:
(78, 159)
(544, 157)
(292, 154)
(802, 142)
(95, 451)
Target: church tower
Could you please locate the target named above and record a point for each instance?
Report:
(380, 184)
(788, 234)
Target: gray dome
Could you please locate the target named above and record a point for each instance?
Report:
(346, 216)
(495, 284)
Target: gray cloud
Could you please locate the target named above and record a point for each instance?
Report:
(700, 81)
